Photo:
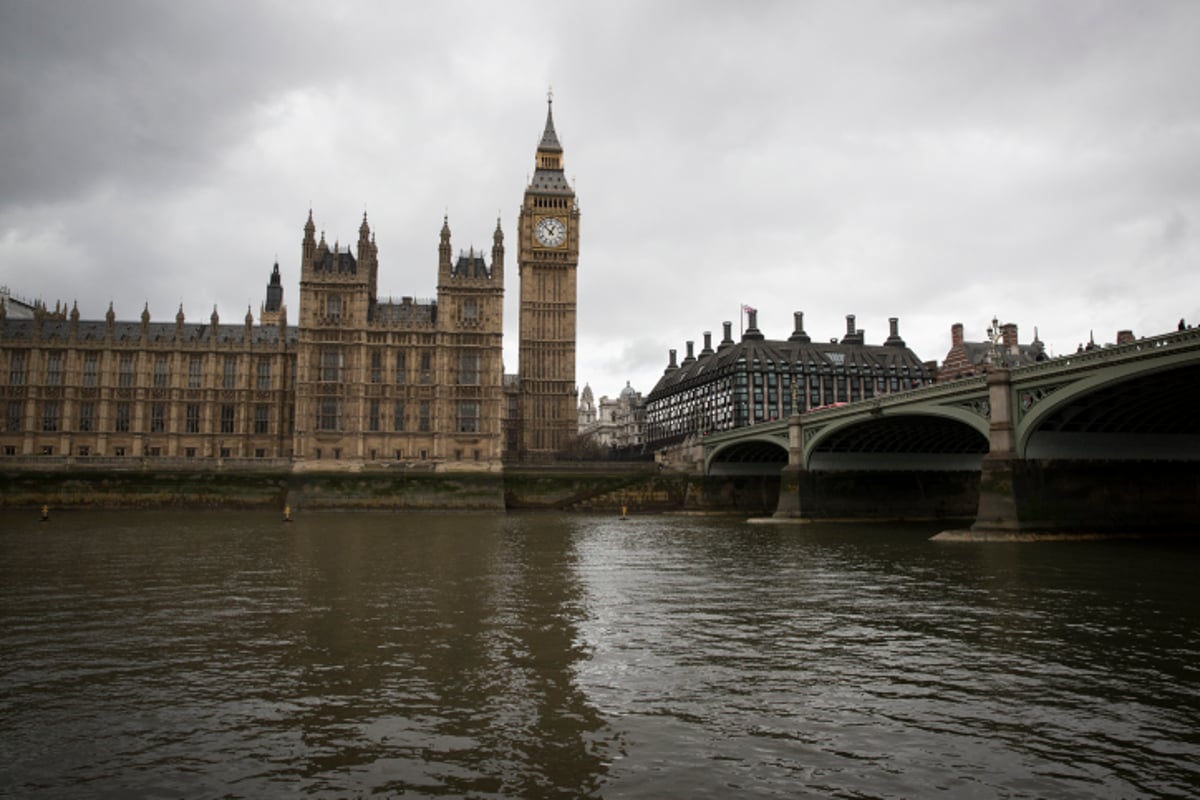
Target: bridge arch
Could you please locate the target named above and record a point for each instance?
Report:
(1136, 411)
(923, 438)
(760, 455)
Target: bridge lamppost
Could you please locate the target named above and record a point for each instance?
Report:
(994, 334)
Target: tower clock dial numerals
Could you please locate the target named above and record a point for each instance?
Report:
(550, 231)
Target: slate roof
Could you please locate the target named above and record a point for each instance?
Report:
(162, 333)
(549, 136)
(331, 261)
(978, 353)
(471, 266)
(772, 355)
(406, 312)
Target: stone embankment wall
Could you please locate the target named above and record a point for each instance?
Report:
(584, 488)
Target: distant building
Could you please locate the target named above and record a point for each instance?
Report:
(758, 379)
(965, 359)
(616, 423)
(587, 411)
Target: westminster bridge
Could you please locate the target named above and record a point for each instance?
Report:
(1103, 439)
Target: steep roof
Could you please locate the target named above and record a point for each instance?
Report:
(769, 353)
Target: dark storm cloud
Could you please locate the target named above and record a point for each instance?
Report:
(133, 94)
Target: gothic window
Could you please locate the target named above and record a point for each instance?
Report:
(227, 417)
(193, 418)
(426, 367)
(195, 372)
(125, 370)
(161, 376)
(373, 415)
(87, 417)
(229, 373)
(398, 416)
(12, 421)
(54, 365)
(264, 374)
(16, 369)
(158, 417)
(468, 417)
(121, 423)
(470, 311)
(331, 366)
(90, 369)
(262, 418)
(329, 414)
(468, 369)
(423, 417)
(376, 367)
(400, 368)
(333, 307)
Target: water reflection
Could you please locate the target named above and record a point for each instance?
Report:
(227, 655)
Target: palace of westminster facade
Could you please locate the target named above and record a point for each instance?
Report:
(358, 380)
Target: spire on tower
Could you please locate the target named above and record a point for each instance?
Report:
(549, 136)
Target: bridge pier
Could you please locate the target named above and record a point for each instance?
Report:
(999, 495)
(791, 477)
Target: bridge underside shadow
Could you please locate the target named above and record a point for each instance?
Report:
(1119, 455)
(904, 443)
(1151, 417)
(897, 466)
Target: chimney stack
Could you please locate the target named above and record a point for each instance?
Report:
(956, 334)
(1008, 334)
(728, 340)
(707, 344)
(798, 335)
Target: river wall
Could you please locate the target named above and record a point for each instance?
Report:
(886, 495)
(587, 488)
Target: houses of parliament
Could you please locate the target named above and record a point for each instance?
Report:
(356, 380)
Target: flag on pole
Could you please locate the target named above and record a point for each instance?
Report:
(747, 309)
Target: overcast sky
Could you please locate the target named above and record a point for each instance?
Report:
(939, 162)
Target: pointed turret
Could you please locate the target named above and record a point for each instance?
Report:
(444, 250)
(309, 245)
(498, 253)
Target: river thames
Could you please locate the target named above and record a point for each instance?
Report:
(230, 655)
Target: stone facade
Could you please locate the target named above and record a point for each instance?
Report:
(383, 380)
(548, 256)
(88, 389)
(360, 381)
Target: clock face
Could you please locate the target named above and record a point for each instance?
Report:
(550, 231)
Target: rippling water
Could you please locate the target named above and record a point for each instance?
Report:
(343, 655)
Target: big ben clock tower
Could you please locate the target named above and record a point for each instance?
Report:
(547, 257)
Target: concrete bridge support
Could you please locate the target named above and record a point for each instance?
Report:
(792, 476)
(999, 495)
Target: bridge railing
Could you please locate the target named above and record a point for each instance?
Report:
(1142, 348)
(1146, 347)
